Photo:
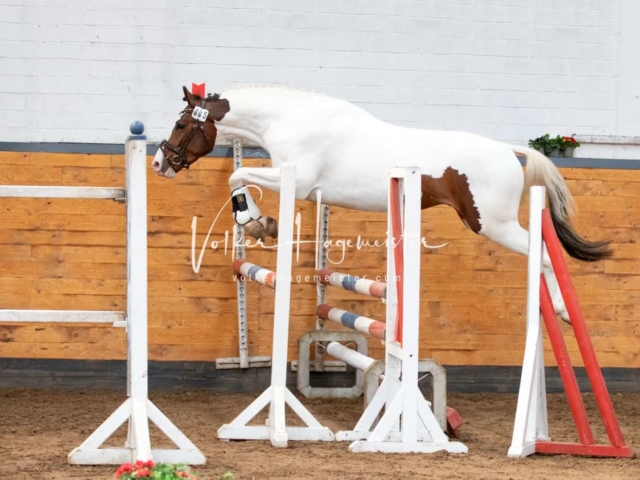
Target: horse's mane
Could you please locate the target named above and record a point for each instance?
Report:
(276, 89)
(287, 92)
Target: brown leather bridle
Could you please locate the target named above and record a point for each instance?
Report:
(178, 160)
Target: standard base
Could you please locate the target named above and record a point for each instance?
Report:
(276, 429)
(260, 432)
(561, 448)
(354, 436)
(234, 363)
(138, 411)
(403, 447)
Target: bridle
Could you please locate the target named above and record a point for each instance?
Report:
(178, 160)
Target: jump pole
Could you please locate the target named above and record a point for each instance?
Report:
(277, 395)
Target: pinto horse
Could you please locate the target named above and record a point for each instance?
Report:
(346, 153)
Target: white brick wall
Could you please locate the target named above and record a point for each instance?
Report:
(82, 70)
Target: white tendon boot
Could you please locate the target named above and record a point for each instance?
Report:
(247, 214)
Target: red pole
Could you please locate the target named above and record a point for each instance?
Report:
(580, 329)
(398, 253)
(567, 374)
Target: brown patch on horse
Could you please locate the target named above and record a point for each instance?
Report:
(452, 189)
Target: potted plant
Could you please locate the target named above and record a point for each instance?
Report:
(569, 144)
(554, 147)
(547, 145)
(159, 471)
(538, 144)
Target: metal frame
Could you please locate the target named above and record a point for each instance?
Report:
(304, 363)
(137, 409)
(243, 360)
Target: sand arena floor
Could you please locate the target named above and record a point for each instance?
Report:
(38, 428)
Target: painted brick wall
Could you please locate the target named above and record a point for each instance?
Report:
(81, 71)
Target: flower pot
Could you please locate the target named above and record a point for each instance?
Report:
(555, 152)
(568, 152)
(540, 149)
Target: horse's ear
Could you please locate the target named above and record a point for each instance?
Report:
(188, 97)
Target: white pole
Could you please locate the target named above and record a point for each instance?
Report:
(136, 154)
(527, 410)
(277, 417)
(137, 311)
(350, 357)
(411, 301)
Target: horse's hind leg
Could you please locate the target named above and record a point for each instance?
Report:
(514, 237)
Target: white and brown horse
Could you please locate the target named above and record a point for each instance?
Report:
(346, 153)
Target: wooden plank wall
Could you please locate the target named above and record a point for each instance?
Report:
(70, 254)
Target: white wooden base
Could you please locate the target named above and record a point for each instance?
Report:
(138, 446)
(524, 450)
(403, 447)
(390, 435)
(276, 429)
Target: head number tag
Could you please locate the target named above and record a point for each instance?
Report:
(200, 114)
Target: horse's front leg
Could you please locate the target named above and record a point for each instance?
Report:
(245, 211)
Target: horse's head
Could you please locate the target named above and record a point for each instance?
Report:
(193, 136)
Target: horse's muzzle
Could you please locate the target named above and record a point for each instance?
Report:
(161, 165)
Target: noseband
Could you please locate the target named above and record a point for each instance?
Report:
(178, 160)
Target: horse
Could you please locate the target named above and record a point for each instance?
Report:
(345, 152)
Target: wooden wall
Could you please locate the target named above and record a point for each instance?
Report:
(70, 254)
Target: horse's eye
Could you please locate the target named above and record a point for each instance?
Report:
(179, 126)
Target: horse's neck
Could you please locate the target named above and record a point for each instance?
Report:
(285, 123)
(253, 116)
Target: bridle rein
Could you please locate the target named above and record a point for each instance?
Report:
(178, 160)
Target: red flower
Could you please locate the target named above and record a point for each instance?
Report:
(143, 472)
(124, 468)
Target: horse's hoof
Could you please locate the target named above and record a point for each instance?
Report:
(270, 226)
(255, 229)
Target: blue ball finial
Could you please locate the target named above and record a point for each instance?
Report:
(136, 127)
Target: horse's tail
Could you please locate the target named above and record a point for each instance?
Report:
(542, 171)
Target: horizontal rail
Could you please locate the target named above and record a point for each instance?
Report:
(22, 191)
(66, 316)
(349, 356)
(255, 273)
(352, 320)
(352, 283)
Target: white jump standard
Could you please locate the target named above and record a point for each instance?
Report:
(408, 424)
(137, 410)
(277, 396)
